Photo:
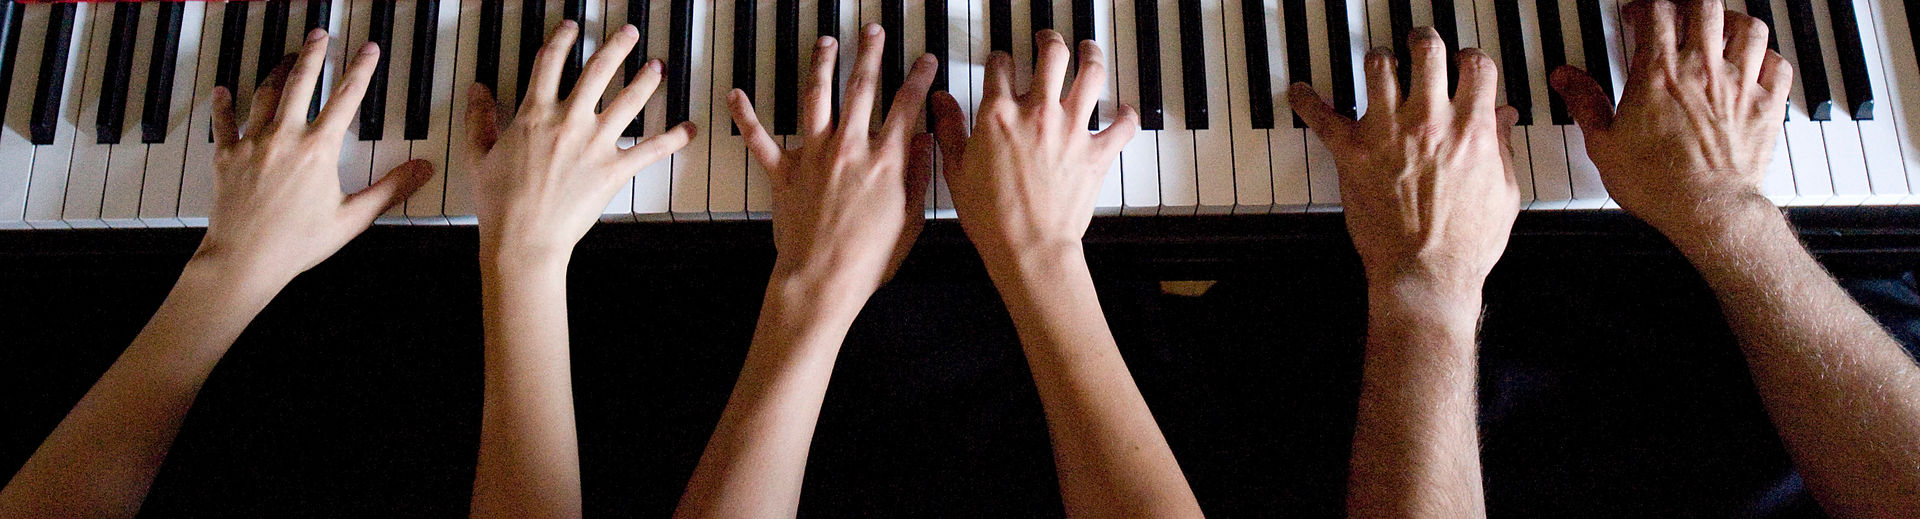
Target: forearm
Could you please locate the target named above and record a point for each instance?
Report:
(1416, 450)
(1844, 396)
(101, 459)
(754, 464)
(529, 459)
(1111, 457)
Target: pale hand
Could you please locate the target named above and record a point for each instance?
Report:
(1426, 182)
(278, 209)
(847, 203)
(1698, 120)
(1026, 179)
(542, 181)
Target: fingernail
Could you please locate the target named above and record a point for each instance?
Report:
(654, 64)
(824, 42)
(873, 29)
(630, 29)
(569, 24)
(369, 48)
(926, 60)
(315, 35)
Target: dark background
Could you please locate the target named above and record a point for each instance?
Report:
(1610, 385)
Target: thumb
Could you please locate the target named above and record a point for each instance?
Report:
(1115, 138)
(483, 118)
(364, 206)
(1586, 102)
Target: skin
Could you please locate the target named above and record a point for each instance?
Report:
(847, 205)
(278, 211)
(1686, 151)
(1430, 200)
(1024, 185)
(539, 184)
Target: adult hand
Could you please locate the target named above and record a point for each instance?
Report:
(848, 203)
(1025, 180)
(541, 182)
(1691, 140)
(278, 209)
(1427, 181)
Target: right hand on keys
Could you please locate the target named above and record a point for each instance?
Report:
(541, 183)
(1696, 126)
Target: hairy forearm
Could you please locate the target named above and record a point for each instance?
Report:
(1844, 396)
(101, 459)
(529, 462)
(754, 464)
(1111, 457)
(1416, 450)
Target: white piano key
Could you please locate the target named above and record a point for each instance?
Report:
(508, 88)
(1179, 174)
(966, 32)
(759, 186)
(1139, 160)
(1846, 160)
(653, 186)
(16, 150)
(1111, 199)
(47, 192)
(1806, 142)
(87, 167)
(166, 161)
(727, 153)
(458, 174)
(1588, 191)
(979, 48)
(1213, 147)
(1778, 183)
(1323, 175)
(356, 155)
(197, 173)
(1023, 56)
(250, 60)
(1901, 100)
(393, 148)
(1546, 143)
(427, 205)
(1286, 145)
(127, 161)
(1252, 179)
(691, 164)
(1486, 37)
(1879, 136)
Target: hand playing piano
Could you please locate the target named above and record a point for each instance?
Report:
(1024, 182)
(278, 208)
(848, 202)
(1703, 107)
(1427, 181)
(541, 182)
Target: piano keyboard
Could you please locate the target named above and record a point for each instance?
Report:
(107, 104)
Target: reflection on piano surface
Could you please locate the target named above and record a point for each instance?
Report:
(107, 104)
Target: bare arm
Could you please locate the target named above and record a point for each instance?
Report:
(278, 211)
(847, 205)
(1703, 104)
(539, 184)
(1024, 185)
(1430, 200)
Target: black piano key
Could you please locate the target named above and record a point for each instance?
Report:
(1083, 30)
(636, 16)
(486, 65)
(1593, 43)
(160, 73)
(273, 38)
(114, 86)
(1763, 10)
(1193, 64)
(1913, 30)
(533, 34)
(1253, 24)
(744, 51)
(1042, 17)
(1553, 55)
(1000, 25)
(786, 66)
(936, 20)
(1513, 58)
(829, 25)
(679, 83)
(426, 33)
(1299, 58)
(53, 74)
(1853, 59)
(1340, 43)
(11, 14)
(575, 10)
(1812, 66)
(1443, 23)
(233, 41)
(1147, 36)
(319, 16)
(892, 65)
(373, 107)
(1400, 19)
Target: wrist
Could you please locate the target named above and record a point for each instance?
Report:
(1444, 304)
(239, 273)
(498, 257)
(1720, 219)
(1027, 262)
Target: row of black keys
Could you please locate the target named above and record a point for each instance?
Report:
(276, 22)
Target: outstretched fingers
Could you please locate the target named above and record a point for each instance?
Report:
(904, 119)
